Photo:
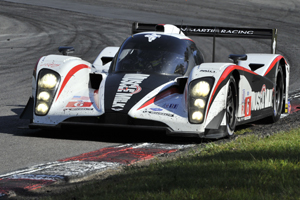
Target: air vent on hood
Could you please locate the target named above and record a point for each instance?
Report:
(106, 60)
(255, 66)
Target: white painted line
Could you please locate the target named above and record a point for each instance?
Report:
(37, 177)
(157, 146)
(77, 168)
(59, 170)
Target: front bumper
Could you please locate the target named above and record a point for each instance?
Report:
(66, 125)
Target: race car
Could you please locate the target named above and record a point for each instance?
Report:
(157, 79)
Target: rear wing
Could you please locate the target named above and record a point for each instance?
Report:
(210, 31)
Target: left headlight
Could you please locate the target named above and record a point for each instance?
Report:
(47, 85)
(48, 81)
(199, 91)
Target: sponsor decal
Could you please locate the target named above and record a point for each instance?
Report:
(79, 109)
(170, 105)
(156, 109)
(152, 37)
(243, 101)
(79, 104)
(243, 109)
(247, 108)
(220, 31)
(128, 87)
(257, 101)
(239, 32)
(136, 89)
(263, 99)
(200, 30)
(158, 113)
(50, 65)
(207, 71)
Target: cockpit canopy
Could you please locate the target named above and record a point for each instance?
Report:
(155, 53)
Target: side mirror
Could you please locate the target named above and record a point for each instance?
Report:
(236, 57)
(66, 50)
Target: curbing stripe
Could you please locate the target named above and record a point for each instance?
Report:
(70, 169)
(119, 155)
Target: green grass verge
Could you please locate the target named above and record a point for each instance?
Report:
(249, 167)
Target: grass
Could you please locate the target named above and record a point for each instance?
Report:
(249, 167)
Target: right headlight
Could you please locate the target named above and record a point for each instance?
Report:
(47, 84)
(199, 91)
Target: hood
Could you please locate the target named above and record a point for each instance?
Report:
(123, 90)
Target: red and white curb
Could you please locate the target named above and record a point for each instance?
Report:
(74, 168)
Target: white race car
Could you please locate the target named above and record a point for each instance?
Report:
(157, 79)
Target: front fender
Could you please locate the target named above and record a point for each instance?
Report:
(73, 95)
(216, 103)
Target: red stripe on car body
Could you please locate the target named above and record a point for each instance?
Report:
(273, 64)
(225, 74)
(73, 71)
(233, 67)
(160, 96)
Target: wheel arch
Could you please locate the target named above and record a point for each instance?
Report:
(282, 63)
(285, 72)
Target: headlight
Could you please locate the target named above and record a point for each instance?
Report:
(41, 108)
(200, 103)
(199, 91)
(47, 85)
(197, 115)
(45, 96)
(48, 81)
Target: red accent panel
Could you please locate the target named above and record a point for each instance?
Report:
(248, 106)
(73, 71)
(75, 104)
(120, 155)
(273, 64)
(160, 96)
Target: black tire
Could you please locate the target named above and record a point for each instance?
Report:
(278, 97)
(231, 106)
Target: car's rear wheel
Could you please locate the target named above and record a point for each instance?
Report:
(231, 106)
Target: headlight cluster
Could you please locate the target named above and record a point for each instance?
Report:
(48, 81)
(199, 91)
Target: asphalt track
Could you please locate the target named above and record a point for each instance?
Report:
(33, 28)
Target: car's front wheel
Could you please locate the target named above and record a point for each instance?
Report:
(231, 106)
(278, 97)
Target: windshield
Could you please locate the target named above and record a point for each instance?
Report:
(153, 53)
